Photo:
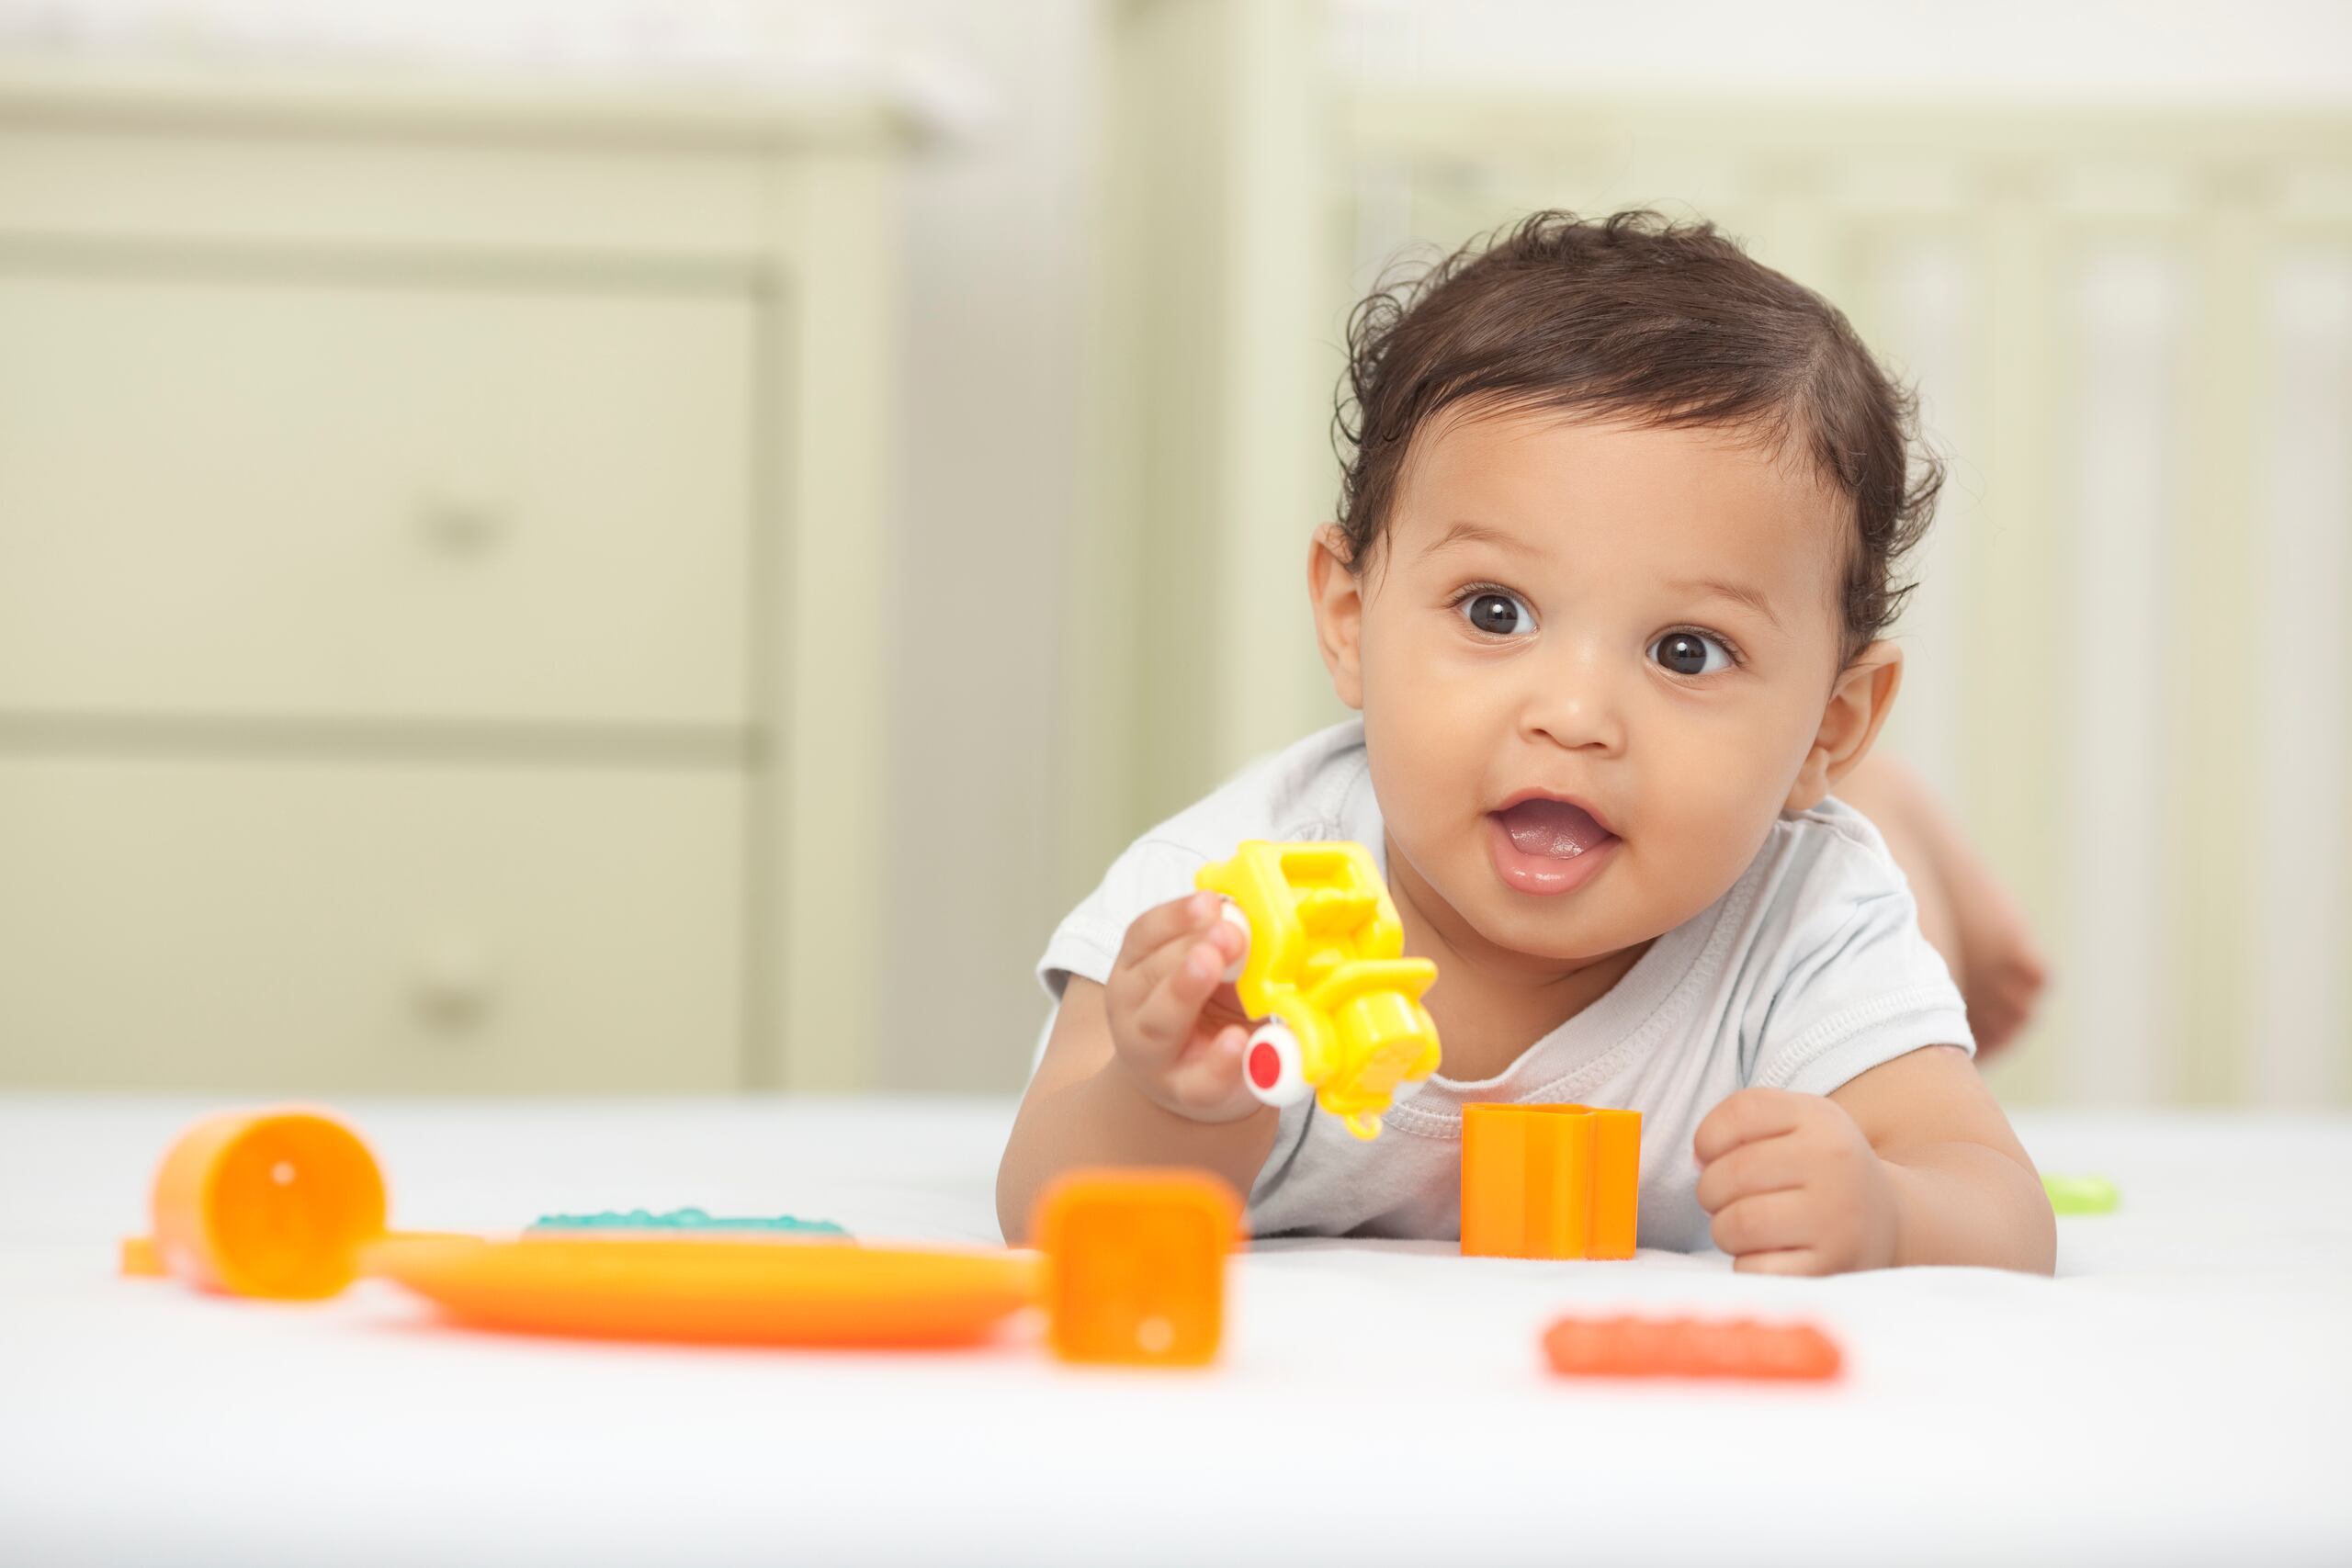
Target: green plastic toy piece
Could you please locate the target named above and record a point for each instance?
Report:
(684, 1220)
(2081, 1194)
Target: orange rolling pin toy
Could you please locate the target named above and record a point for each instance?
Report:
(289, 1204)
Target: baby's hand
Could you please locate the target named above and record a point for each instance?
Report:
(1178, 1031)
(1793, 1185)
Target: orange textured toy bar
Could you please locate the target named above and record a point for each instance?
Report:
(1690, 1347)
(1549, 1181)
(1136, 1265)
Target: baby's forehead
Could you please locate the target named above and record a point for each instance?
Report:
(1656, 499)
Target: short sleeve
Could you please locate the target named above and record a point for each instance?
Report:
(1087, 942)
(1860, 985)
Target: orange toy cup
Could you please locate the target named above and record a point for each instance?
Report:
(1136, 1265)
(1549, 1181)
(264, 1203)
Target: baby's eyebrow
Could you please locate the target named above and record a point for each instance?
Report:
(1467, 533)
(1738, 592)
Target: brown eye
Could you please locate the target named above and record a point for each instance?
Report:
(1497, 614)
(1690, 653)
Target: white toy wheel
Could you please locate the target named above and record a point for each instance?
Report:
(1240, 922)
(1273, 1065)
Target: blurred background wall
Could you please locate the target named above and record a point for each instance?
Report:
(1047, 588)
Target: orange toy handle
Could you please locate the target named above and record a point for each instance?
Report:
(272, 1202)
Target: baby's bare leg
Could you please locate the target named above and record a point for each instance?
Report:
(1964, 911)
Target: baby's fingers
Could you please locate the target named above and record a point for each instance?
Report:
(1769, 1222)
(1160, 938)
(1746, 1115)
(1208, 1078)
(1150, 933)
(1788, 1260)
(1165, 1018)
(1771, 1165)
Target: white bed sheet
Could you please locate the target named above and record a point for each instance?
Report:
(2180, 1393)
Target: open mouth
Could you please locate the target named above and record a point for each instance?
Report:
(1541, 845)
(1560, 828)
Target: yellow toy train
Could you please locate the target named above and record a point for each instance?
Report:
(1326, 971)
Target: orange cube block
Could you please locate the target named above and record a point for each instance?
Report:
(1549, 1181)
(1690, 1347)
(1134, 1264)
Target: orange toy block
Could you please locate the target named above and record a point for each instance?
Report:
(1135, 1268)
(1549, 1181)
(1690, 1347)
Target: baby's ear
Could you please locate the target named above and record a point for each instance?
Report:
(1337, 597)
(1859, 704)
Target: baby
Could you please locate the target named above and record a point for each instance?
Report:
(1619, 537)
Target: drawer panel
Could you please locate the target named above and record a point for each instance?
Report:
(368, 499)
(310, 930)
(433, 194)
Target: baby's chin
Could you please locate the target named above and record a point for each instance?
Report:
(1554, 942)
(1569, 930)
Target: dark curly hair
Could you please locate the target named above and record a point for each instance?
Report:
(1635, 316)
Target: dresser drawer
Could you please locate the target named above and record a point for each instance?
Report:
(372, 497)
(321, 929)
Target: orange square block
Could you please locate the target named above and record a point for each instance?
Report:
(1549, 1181)
(1134, 1264)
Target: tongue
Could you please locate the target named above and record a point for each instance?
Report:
(1551, 827)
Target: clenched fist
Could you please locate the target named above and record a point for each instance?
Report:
(1793, 1185)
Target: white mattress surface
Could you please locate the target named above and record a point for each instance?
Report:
(2178, 1394)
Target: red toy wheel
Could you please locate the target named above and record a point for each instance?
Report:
(1273, 1065)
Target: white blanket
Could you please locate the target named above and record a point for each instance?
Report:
(2178, 1394)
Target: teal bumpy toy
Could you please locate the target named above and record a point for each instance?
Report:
(693, 1219)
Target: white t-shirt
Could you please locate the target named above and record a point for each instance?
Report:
(1808, 972)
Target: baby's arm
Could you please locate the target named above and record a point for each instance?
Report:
(1144, 1069)
(1911, 1162)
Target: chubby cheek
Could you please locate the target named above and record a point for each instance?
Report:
(1431, 738)
(1709, 819)
(1700, 825)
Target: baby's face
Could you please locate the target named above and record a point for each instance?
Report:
(1593, 660)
